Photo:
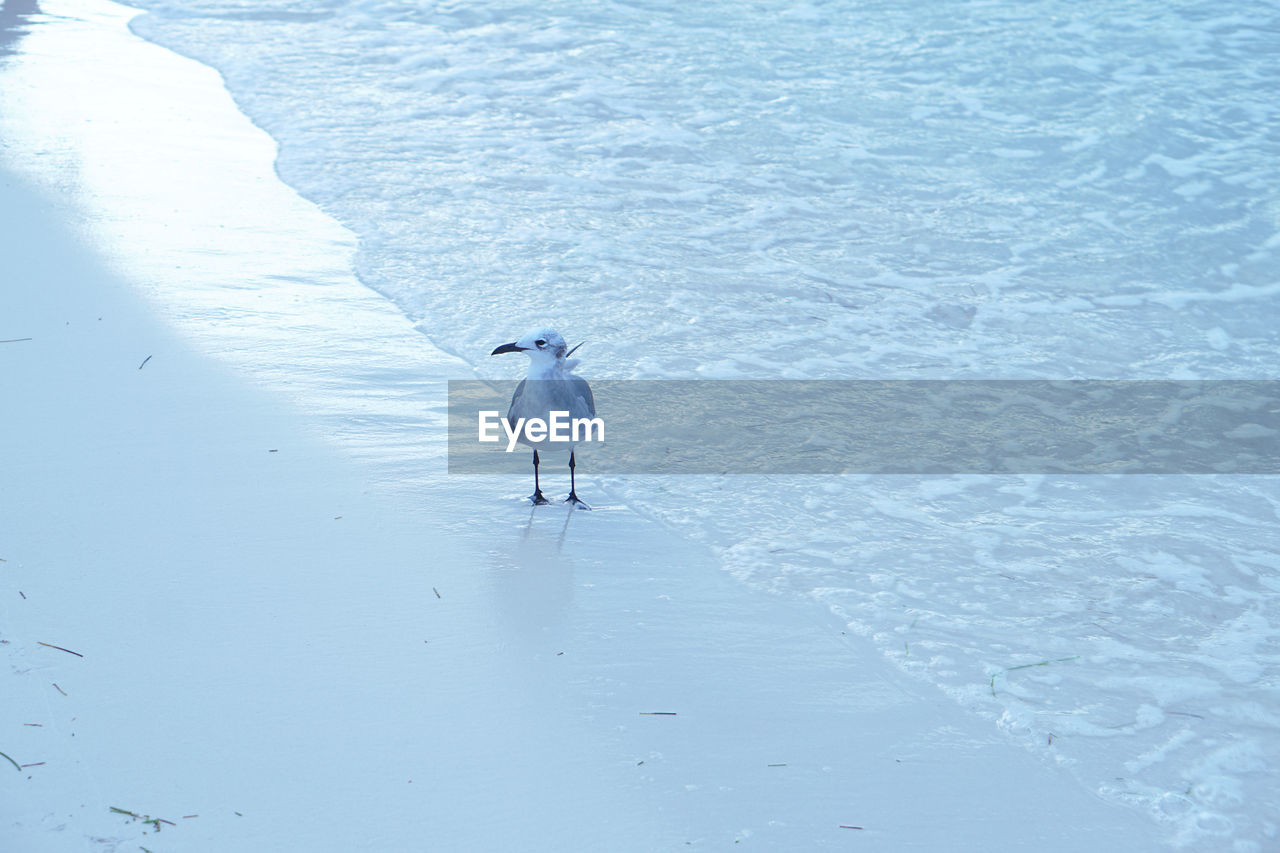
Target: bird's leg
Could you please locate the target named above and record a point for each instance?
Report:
(536, 497)
(573, 490)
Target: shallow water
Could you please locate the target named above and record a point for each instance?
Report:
(831, 190)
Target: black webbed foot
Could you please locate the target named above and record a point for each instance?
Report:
(575, 501)
(537, 499)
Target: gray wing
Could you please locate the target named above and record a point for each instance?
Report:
(511, 410)
(583, 390)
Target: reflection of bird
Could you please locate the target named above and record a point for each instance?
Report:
(549, 387)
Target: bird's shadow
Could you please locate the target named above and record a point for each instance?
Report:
(531, 577)
(528, 532)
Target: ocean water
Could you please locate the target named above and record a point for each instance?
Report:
(862, 190)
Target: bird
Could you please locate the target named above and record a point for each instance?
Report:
(549, 387)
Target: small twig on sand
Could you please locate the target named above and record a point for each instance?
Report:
(15, 764)
(436, 591)
(59, 689)
(36, 764)
(842, 826)
(144, 362)
(657, 713)
(15, 340)
(61, 649)
(1027, 666)
(147, 819)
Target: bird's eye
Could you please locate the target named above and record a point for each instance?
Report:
(541, 343)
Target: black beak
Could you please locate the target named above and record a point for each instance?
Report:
(507, 348)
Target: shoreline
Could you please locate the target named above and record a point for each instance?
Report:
(296, 626)
(246, 270)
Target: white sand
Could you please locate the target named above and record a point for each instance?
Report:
(297, 627)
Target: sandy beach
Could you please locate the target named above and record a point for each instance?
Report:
(241, 597)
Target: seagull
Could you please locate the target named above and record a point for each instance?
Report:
(554, 388)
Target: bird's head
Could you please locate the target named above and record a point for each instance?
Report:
(543, 346)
